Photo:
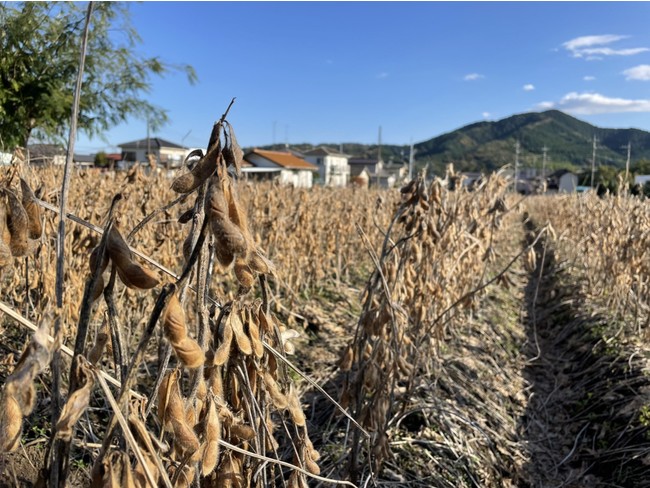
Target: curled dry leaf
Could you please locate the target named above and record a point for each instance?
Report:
(77, 403)
(287, 335)
(232, 153)
(118, 249)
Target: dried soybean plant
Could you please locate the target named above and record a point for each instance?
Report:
(20, 217)
(311, 234)
(433, 257)
(219, 405)
(608, 238)
(20, 226)
(18, 395)
(227, 411)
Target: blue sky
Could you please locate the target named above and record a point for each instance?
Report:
(336, 71)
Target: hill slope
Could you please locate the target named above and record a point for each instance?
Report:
(489, 145)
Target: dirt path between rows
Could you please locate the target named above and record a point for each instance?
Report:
(582, 425)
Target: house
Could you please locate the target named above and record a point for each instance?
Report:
(166, 153)
(284, 167)
(333, 168)
(362, 180)
(84, 160)
(562, 181)
(113, 159)
(380, 174)
(373, 166)
(398, 169)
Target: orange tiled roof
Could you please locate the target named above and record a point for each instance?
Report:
(285, 159)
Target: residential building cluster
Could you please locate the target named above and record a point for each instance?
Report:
(322, 165)
(319, 166)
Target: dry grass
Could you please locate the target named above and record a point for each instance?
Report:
(230, 317)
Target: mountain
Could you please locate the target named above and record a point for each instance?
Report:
(569, 142)
(486, 146)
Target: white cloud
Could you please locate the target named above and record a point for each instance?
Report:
(486, 115)
(608, 51)
(382, 75)
(589, 78)
(595, 103)
(588, 41)
(473, 77)
(594, 47)
(529, 87)
(641, 73)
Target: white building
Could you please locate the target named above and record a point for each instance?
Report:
(333, 167)
(166, 153)
(5, 158)
(562, 181)
(284, 167)
(641, 179)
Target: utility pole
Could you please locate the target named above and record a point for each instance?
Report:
(411, 154)
(544, 149)
(516, 165)
(379, 146)
(627, 162)
(593, 161)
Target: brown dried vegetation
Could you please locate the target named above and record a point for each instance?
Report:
(189, 289)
